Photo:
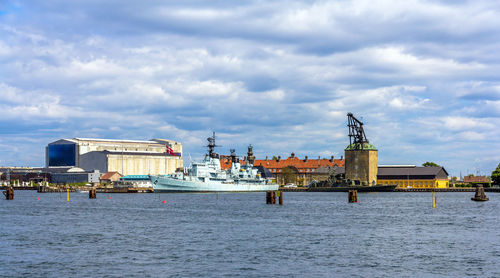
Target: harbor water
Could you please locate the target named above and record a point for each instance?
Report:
(238, 235)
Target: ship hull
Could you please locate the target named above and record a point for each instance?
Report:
(168, 184)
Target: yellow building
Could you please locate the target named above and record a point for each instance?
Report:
(411, 176)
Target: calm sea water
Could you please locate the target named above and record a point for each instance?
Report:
(209, 235)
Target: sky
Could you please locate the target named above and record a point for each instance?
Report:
(423, 76)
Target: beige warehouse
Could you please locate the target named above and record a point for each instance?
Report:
(128, 157)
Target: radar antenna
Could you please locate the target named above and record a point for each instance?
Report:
(357, 134)
(211, 146)
(234, 157)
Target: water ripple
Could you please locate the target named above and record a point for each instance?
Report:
(200, 235)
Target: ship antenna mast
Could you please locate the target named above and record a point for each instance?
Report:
(357, 134)
(211, 146)
(234, 157)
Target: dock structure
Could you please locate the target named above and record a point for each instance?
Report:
(46, 189)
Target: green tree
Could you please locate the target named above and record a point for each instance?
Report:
(289, 175)
(430, 164)
(495, 175)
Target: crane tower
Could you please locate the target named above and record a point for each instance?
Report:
(361, 157)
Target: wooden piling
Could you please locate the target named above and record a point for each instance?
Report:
(92, 193)
(480, 196)
(9, 193)
(271, 197)
(352, 196)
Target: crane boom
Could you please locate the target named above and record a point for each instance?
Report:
(357, 136)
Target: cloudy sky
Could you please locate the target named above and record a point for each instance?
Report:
(423, 76)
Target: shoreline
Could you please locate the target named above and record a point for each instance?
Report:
(297, 189)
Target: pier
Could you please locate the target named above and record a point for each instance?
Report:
(450, 189)
(47, 189)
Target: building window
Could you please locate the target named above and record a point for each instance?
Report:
(62, 155)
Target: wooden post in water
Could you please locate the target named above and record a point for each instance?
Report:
(352, 196)
(67, 194)
(271, 197)
(480, 196)
(92, 193)
(9, 193)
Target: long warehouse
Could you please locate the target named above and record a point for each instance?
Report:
(128, 157)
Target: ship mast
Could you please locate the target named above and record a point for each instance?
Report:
(234, 157)
(211, 146)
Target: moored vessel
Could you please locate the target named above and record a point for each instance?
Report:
(207, 176)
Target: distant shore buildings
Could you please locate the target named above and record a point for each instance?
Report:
(304, 170)
(127, 157)
(92, 160)
(411, 176)
(130, 161)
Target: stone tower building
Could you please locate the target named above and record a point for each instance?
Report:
(361, 157)
(361, 164)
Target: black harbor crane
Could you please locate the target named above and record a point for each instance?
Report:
(357, 136)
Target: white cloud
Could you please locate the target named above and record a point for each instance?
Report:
(281, 75)
(463, 123)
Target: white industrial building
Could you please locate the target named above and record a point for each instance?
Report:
(127, 157)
